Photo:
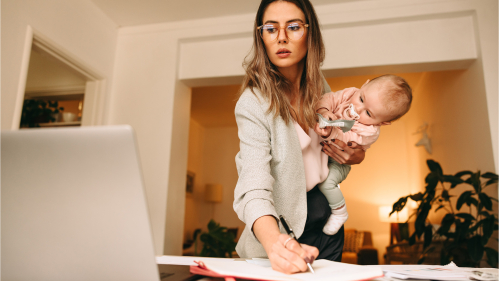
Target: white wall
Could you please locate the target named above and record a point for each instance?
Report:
(77, 27)
(153, 69)
(211, 157)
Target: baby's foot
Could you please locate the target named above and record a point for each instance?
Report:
(336, 220)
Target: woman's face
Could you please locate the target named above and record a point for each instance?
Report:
(284, 52)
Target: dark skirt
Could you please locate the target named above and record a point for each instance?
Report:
(318, 211)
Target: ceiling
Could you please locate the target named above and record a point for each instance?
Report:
(210, 106)
(139, 12)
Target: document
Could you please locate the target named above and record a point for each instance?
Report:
(324, 270)
(439, 272)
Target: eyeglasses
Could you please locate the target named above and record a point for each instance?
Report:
(270, 32)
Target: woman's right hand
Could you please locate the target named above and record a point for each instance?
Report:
(291, 256)
(287, 257)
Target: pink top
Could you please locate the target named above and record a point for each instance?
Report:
(314, 160)
(337, 103)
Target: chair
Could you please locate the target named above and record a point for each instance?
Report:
(358, 248)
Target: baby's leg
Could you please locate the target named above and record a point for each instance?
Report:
(337, 173)
(338, 217)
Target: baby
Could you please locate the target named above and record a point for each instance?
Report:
(378, 102)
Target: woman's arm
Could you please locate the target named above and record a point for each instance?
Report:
(350, 153)
(254, 202)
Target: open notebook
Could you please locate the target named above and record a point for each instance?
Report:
(324, 270)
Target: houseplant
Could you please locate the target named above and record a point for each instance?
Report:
(463, 232)
(217, 242)
(38, 111)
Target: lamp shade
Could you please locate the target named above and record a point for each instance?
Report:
(213, 193)
(384, 211)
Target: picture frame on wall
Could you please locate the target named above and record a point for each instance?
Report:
(189, 185)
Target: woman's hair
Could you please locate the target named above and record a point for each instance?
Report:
(262, 75)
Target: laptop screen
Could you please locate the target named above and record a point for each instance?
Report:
(74, 206)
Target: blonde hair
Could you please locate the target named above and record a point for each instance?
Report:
(397, 94)
(262, 75)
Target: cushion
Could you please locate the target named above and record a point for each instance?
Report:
(353, 241)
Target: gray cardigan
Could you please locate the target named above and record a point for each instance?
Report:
(271, 172)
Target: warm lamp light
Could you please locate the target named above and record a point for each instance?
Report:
(397, 222)
(213, 193)
(384, 212)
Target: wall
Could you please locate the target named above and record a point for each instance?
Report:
(78, 27)
(161, 61)
(212, 153)
(452, 103)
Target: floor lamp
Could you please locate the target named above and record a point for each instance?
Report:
(214, 194)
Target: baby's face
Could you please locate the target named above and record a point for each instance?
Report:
(368, 103)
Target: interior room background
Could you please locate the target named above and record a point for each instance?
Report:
(149, 74)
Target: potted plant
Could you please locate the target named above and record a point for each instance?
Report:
(217, 242)
(463, 232)
(38, 111)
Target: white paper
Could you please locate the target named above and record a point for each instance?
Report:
(324, 270)
(186, 260)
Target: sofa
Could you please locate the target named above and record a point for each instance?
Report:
(358, 248)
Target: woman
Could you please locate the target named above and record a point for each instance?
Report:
(274, 115)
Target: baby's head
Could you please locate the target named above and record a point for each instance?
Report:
(382, 100)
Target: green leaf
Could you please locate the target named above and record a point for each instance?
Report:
(463, 199)
(417, 197)
(453, 180)
(434, 167)
(421, 218)
(472, 201)
(399, 205)
(445, 225)
(488, 228)
(465, 216)
(428, 233)
(491, 181)
(490, 175)
(431, 181)
(475, 248)
(485, 200)
(485, 213)
(491, 256)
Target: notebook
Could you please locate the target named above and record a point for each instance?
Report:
(74, 206)
(324, 270)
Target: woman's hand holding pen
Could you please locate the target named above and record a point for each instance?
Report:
(289, 256)
(289, 259)
(350, 153)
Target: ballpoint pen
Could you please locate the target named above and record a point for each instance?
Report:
(293, 236)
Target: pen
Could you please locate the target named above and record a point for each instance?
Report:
(293, 236)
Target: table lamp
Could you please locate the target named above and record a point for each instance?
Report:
(397, 220)
(213, 193)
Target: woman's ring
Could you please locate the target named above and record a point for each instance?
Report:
(287, 240)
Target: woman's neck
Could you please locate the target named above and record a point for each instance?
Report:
(293, 74)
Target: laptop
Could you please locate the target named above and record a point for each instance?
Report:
(74, 206)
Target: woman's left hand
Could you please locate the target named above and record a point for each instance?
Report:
(346, 154)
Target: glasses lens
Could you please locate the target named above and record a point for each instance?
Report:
(269, 32)
(295, 31)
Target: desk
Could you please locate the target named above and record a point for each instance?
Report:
(168, 272)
